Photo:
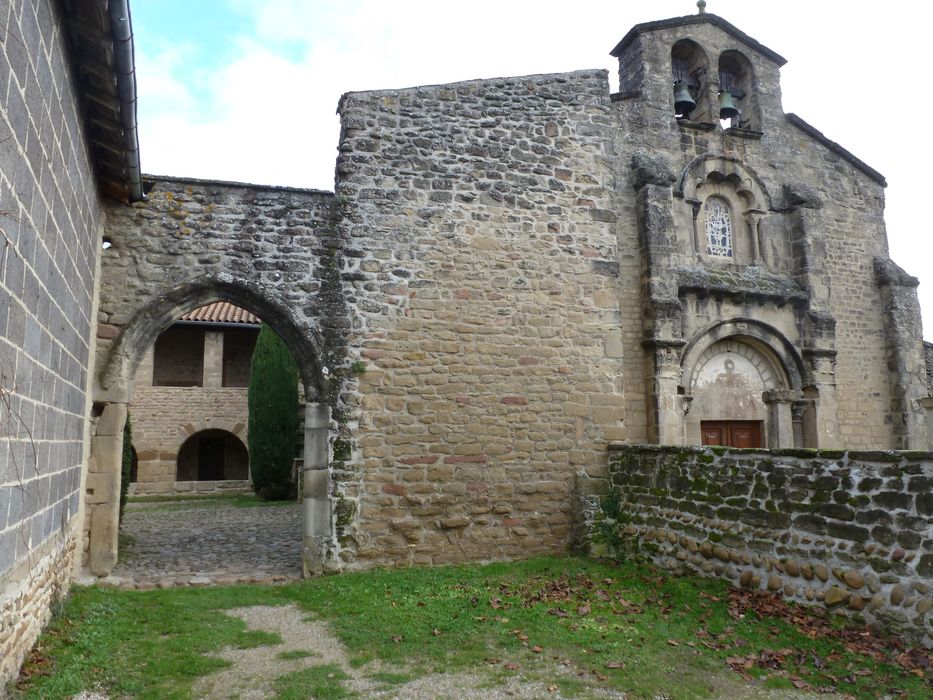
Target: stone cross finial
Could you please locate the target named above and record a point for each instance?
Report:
(702, 5)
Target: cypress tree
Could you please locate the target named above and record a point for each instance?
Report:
(126, 470)
(273, 416)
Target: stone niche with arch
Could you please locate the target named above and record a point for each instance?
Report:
(724, 205)
(737, 79)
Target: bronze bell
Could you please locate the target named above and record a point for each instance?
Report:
(727, 108)
(683, 101)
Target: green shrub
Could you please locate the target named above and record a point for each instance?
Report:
(273, 417)
(126, 469)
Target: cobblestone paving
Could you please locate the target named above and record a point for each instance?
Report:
(200, 543)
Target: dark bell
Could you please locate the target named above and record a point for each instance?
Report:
(683, 101)
(727, 108)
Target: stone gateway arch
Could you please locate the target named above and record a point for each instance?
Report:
(192, 243)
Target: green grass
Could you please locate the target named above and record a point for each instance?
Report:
(319, 682)
(628, 628)
(295, 654)
(139, 645)
(388, 678)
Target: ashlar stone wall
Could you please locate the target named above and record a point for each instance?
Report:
(50, 228)
(813, 218)
(477, 224)
(848, 530)
(164, 417)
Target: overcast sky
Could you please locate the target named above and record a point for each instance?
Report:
(247, 89)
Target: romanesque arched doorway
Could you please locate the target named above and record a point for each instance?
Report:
(742, 387)
(727, 388)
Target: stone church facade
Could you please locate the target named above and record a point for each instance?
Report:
(510, 275)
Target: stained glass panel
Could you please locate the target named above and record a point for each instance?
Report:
(718, 228)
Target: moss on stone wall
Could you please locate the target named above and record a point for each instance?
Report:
(799, 522)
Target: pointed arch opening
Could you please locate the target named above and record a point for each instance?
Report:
(167, 306)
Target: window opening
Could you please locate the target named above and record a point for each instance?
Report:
(718, 228)
(178, 357)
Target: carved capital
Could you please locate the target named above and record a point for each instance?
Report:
(651, 170)
(799, 195)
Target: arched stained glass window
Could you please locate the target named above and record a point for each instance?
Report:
(718, 228)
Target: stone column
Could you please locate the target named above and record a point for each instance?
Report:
(821, 365)
(752, 220)
(668, 413)
(316, 499)
(213, 359)
(663, 340)
(780, 419)
(798, 411)
(928, 407)
(904, 349)
(102, 488)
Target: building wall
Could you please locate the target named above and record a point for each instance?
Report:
(486, 300)
(164, 417)
(50, 219)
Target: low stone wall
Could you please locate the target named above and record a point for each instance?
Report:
(184, 488)
(849, 530)
(27, 595)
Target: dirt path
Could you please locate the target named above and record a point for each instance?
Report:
(308, 643)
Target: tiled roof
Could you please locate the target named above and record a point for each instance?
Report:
(220, 312)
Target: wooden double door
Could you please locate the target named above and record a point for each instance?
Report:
(733, 433)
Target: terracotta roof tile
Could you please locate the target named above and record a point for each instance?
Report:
(220, 312)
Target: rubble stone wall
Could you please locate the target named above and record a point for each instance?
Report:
(477, 219)
(848, 530)
(50, 223)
